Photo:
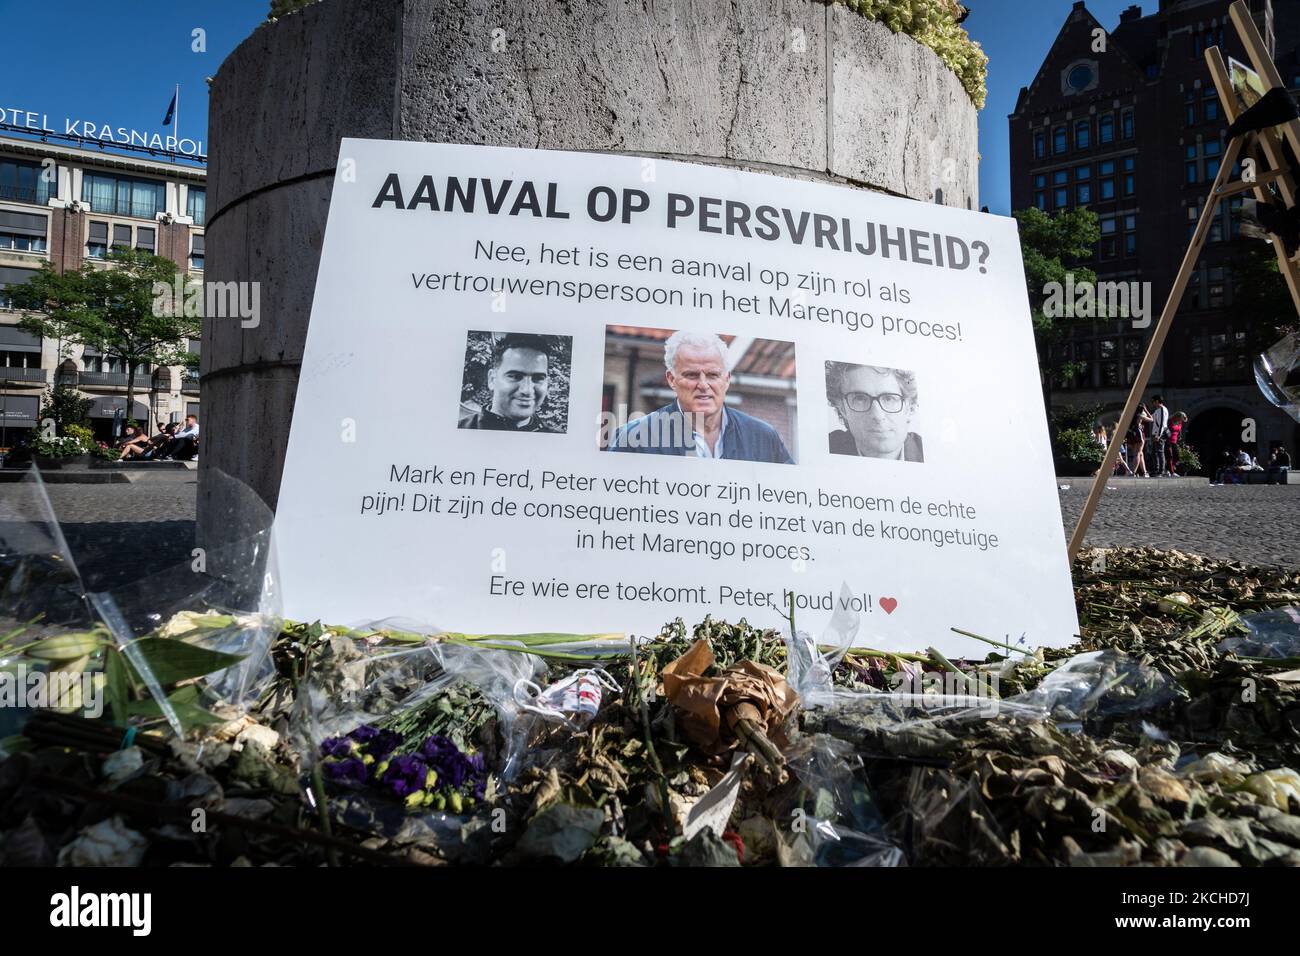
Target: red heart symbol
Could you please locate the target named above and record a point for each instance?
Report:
(889, 604)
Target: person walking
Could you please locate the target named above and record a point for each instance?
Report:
(1176, 426)
(1158, 433)
(1137, 442)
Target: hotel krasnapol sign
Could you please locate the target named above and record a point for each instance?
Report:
(629, 390)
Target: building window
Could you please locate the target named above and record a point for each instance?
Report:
(21, 242)
(1107, 226)
(1082, 135)
(1040, 181)
(196, 253)
(146, 238)
(1190, 177)
(1130, 235)
(97, 243)
(1217, 288)
(1058, 140)
(1211, 107)
(27, 182)
(1106, 128)
(1106, 171)
(1234, 217)
(1040, 200)
(1083, 193)
(1082, 172)
(1061, 198)
(196, 202)
(1190, 108)
(23, 231)
(1130, 177)
(1126, 124)
(121, 236)
(120, 196)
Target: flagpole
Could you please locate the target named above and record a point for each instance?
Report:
(176, 122)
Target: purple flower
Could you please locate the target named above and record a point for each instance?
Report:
(377, 743)
(337, 747)
(405, 775)
(352, 770)
(455, 769)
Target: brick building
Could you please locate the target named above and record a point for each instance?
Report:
(1128, 124)
(67, 205)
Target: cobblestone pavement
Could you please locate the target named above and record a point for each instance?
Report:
(117, 533)
(120, 533)
(1256, 524)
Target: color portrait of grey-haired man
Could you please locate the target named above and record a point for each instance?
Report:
(698, 422)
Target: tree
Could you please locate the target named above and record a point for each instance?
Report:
(1051, 247)
(117, 311)
(66, 406)
(1261, 303)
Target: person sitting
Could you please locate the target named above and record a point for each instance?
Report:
(1279, 465)
(158, 444)
(132, 443)
(186, 443)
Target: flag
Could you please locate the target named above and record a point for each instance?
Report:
(171, 108)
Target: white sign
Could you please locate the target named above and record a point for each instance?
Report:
(552, 391)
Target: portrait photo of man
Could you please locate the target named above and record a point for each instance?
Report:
(516, 382)
(877, 408)
(698, 423)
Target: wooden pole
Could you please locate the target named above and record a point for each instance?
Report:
(1260, 59)
(1271, 146)
(1153, 348)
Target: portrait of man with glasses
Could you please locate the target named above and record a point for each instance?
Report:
(877, 407)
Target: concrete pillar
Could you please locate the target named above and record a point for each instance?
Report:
(794, 87)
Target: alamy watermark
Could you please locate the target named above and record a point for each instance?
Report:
(39, 689)
(935, 691)
(217, 300)
(1098, 300)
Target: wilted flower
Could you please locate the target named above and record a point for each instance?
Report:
(378, 743)
(338, 747)
(404, 775)
(349, 770)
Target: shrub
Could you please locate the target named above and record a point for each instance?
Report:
(81, 433)
(1079, 448)
(933, 23)
(62, 446)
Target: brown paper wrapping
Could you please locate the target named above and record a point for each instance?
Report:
(710, 706)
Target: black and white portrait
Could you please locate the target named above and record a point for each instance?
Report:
(516, 382)
(876, 409)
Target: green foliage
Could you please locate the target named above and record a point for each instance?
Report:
(1261, 303)
(1078, 447)
(1188, 460)
(1051, 246)
(280, 8)
(933, 23)
(66, 406)
(116, 310)
(80, 432)
(60, 447)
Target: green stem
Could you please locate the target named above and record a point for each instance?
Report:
(948, 665)
(989, 640)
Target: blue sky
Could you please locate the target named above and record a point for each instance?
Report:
(50, 48)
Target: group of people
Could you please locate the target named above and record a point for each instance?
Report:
(1233, 468)
(1153, 437)
(172, 443)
